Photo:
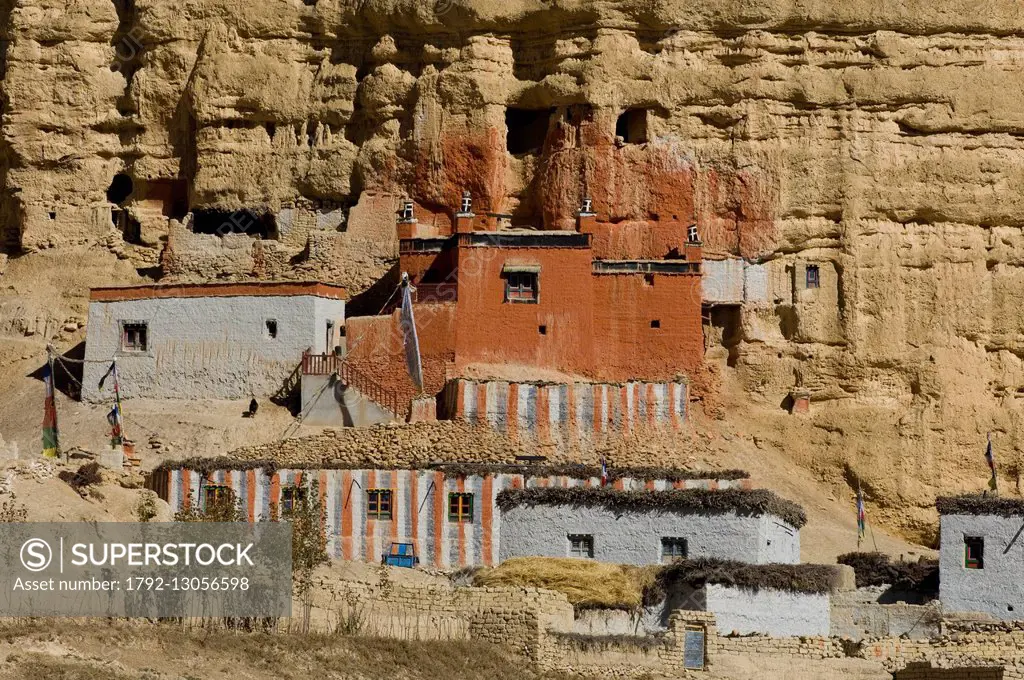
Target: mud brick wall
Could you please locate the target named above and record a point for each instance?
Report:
(517, 618)
(375, 349)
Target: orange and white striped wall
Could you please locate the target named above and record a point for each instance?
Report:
(547, 411)
(419, 512)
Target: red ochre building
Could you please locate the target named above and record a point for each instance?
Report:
(529, 327)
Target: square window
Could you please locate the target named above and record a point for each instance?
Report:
(521, 287)
(460, 507)
(813, 276)
(543, 330)
(378, 503)
(271, 328)
(672, 548)
(656, 323)
(581, 545)
(134, 337)
(216, 495)
(292, 497)
(974, 552)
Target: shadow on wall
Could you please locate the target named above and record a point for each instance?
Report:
(372, 300)
(67, 374)
(924, 671)
(726, 329)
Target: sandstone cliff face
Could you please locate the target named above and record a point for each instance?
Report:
(880, 140)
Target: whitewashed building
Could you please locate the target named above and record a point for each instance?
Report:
(209, 340)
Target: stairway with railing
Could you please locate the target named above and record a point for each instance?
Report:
(350, 376)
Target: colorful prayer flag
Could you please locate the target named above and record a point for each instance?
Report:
(114, 418)
(51, 445)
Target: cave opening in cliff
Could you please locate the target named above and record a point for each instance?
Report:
(526, 129)
(631, 126)
(120, 188)
(224, 222)
(723, 326)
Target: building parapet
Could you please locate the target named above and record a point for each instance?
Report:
(217, 289)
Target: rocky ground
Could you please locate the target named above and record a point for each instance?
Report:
(93, 650)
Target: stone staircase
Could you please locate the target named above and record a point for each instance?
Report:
(327, 364)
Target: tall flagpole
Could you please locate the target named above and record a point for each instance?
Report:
(860, 515)
(993, 482)
(51, 436)
(117, 405)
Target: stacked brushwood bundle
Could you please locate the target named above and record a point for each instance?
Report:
(740, 501)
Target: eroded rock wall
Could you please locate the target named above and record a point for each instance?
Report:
(881, 141)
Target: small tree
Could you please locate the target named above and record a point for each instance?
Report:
(220, 507)
(146, 509)
(309, 540)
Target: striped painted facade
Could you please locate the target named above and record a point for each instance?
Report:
(419, 506)
(549, 412)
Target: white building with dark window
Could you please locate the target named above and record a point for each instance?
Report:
(981, 555)
(650, 527)
(211, 340)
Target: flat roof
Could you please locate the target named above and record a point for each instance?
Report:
(218, 289)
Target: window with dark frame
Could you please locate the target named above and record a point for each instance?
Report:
(813, 276)
(974, 552)
(292, 496)
(134, 337)
(460, 507)
(521, 287)
(673, 548)
(215, 495)
(581, 545)
(378, 503)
